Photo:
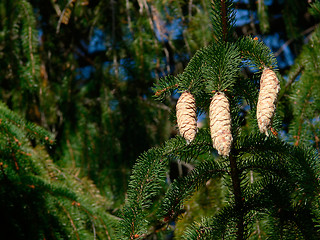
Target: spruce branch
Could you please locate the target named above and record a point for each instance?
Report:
(65, 15)
(30, 20)
(191, 78)
(292, 77)
(189, 152)
(223, 19)
(302, 115)
(269, 196)
(183, 187)
(316, 136)
(165, 87)
(29, 69)
(71, 220)
(305, 93)
(236, 184)
(10, 119)
(221, 67)
(315, 9)
(258, 55)
(298, 166)
(286, 178)
(39, 184)
(217, 227)
(147, 178)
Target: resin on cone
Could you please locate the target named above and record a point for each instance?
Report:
(269, 89)
(187, 116)
(220, 124)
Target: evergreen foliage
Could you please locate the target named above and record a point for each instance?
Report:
(223, 20)
(221, 67)
(269, 186)
(305, 95)
(76, 110)
(83, 70)
(263, 16)
(39, 200)
(257, 53)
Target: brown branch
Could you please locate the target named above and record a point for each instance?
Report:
(190, 10)
(92, 217)
(288, 42)
(30, 42)
(291, 78)
(71, 154)
(224, 19)
(71, 221)
(129, 17)
(159, 92)
(113, 36)
(65, 11)
(316, 138)
(237, 193)
(306, 102)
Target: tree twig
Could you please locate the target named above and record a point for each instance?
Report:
(288, 42)
(291, 78)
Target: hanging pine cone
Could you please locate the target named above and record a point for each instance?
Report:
(187, 116)
(220, 124)
(269, 89)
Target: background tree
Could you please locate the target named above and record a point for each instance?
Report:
(83, 70)
(38, 199)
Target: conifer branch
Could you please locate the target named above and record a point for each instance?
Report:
(235, 176)
(9, 118)
(183, 187)
(301, 114)
(304, 95)
(29, 69)
(30, 38)
(165, 87)
(221, 67)
(301, 118)
(316, 137)
(258, 54)
(216, 227)
(191, 78)
(147, 177)
(71, 220)
(224, 20)
(65, 15)
(161, 91)
(291, 78)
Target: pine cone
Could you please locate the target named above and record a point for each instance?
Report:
(220, 124)
(269, 89)
(187, 116)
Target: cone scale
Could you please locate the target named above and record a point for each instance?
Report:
(220, 124)
(187, 116)
(269, 89)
